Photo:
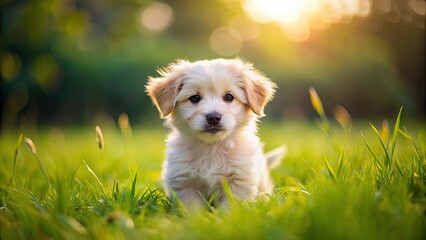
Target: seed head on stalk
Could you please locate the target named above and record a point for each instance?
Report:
(33, 149)
(124, 124)
(316, 102)
(100, 137)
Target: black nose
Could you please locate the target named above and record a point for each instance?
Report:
(213, 118)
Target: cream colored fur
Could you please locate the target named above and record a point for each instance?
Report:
(198, 158)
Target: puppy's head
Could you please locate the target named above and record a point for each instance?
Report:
(210, 99)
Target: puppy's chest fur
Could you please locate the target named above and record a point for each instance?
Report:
(203, 166)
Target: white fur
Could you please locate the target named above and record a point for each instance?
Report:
(197, 161)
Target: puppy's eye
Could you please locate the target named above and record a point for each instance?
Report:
(228, 97)
(195, 98)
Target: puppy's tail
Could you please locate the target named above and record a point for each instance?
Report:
(273, 157)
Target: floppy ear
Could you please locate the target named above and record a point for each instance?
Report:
(259, 89)
(164, 90)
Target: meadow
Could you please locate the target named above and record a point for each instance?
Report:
(363, 181)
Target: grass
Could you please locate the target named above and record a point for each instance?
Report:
(335, 183)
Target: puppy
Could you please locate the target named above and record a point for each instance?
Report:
(211, 108)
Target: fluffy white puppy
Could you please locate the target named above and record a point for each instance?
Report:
(211, 108)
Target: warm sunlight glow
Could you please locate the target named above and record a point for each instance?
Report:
(285, 12)
(297, 17)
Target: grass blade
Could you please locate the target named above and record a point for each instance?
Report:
(37, 203)
(15, 156)
(228, 192)
(387, 158)
(398, 166)
(378, 164)
(408, 136)
(329, 168)
(342, 154)
(115, 190)
(96, 177)
(207, 204)
(132, 192)
(395, 132)
(43, 171)
(40, 164)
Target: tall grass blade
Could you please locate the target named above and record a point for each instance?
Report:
(378, 164)
(133, 190)
(37, 203)
(213, 199)
(43, 171)
(181, 209)
(90, 188)
(96, 177)
(115, 190)
(206, 203)
(33, 149)
(395, 132)
(318, 107)
(405, 134)
(388, 159)
(342, 154)
(15, 156)
(398, 167)
(228, 192)
(329, 168)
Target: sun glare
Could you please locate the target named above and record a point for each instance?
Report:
(297, 17)
(265, 11)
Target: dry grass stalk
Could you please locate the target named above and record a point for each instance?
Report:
(316, 101)
(33, 149)
(342, 116)
(124, 124)
(30, 145)
(384, 132)
(100, 137)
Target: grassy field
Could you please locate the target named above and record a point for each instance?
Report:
(370, 186)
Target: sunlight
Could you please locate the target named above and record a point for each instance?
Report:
(296, 18)
(265, 11)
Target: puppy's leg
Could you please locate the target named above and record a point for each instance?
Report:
(241, 189)
(190, 198)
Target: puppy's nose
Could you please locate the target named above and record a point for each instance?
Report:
(213, 118)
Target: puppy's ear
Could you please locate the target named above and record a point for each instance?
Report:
(259, 89)
(164, 90)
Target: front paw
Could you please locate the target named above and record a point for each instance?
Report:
(190, 199)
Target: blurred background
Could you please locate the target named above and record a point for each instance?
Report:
(71, 62)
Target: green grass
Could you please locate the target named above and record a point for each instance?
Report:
(365, 187)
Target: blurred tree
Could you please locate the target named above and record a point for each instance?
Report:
(65, 61)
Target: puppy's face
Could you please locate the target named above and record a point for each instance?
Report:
(210, 99)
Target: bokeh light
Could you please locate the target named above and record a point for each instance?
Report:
(156, 17)
(226, 41)
(17, 97)
(248, 30)
(46, 72)
(10, 65)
